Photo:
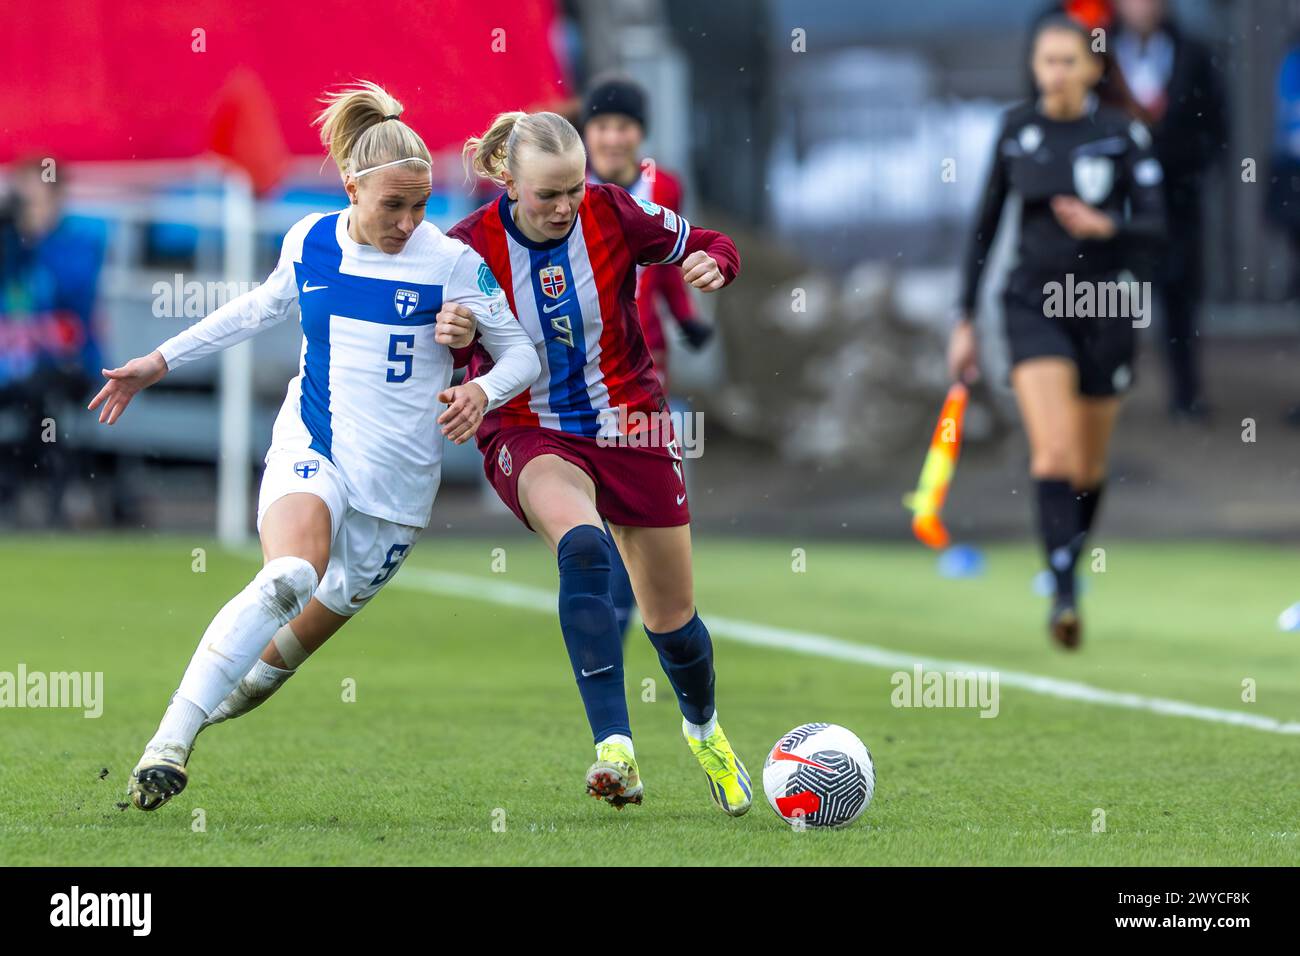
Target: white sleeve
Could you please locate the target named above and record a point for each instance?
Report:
(515, 364)
(242, 317)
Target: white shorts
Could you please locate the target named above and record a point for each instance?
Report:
(365, 551)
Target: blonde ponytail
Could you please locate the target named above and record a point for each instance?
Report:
(361, 130)
(498, 149)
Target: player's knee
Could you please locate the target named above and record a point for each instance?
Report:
(1054, 461)
(687, 639)
(669, 617)
(585, 550)
(285, 585)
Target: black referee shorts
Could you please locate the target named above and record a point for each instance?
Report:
(1102, 348)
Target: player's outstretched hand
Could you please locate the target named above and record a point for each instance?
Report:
(700, 271)
(963, 353)
(123, 383)
(465, 406)
(455, 326)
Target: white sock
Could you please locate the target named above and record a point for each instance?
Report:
(258, 685)
(236, 638)
(619, 739)
(264, 679)
(701, 731)
(180, 723)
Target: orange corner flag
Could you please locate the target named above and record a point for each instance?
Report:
(926, 502)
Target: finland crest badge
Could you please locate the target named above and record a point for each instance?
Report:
(305, 469)
(405, 301)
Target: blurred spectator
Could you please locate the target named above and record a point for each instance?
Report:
(613, 129)
(49, 353)
(1174, 80)
(1283, 205)
(1284, 179)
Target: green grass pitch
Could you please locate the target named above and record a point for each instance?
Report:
(466, 742)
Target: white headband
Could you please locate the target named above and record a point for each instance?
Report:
(397, 162)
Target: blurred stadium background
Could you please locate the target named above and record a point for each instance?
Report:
(179, 172)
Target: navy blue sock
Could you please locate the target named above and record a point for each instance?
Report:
(620, 589)
(1058, 523)
(1089, 502)
(590, 629)
(687, 658)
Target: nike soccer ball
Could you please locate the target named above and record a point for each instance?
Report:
(819, 775)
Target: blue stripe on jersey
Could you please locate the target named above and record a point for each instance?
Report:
(321, 258)
(568, 395)
(325, 292)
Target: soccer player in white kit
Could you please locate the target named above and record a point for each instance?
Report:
(354, 460)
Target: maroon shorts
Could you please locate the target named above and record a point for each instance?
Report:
(636, 486)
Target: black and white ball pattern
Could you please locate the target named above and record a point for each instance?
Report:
(819, 775)
(796, 737)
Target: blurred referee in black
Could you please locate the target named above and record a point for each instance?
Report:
(1090, 197)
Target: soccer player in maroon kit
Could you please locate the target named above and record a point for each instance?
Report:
(591, 441)
(613, 131)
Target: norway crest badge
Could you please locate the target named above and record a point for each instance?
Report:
(552, 281)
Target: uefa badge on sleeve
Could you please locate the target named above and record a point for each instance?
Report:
(648, 207)
(487, 282)
(503, 461)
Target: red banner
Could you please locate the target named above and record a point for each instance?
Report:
(105, 79)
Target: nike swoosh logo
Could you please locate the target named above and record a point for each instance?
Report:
(213, 650)
(599, 670)
(681, 498)
(308, 287)
(548, 309)
(779, 754)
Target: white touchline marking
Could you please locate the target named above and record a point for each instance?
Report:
(533, 598)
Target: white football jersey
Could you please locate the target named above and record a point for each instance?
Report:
(365, 396)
